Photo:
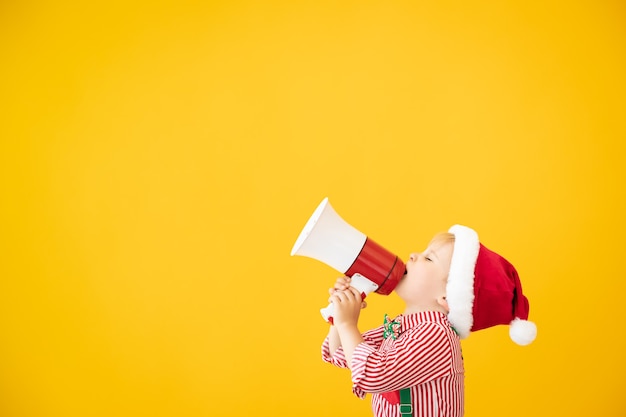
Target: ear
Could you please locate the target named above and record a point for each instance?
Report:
(443, 302)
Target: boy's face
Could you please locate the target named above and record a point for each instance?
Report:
(427, 275)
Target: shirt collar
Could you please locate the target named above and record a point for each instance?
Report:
(412, 320)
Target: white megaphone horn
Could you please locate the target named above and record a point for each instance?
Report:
(331, 240)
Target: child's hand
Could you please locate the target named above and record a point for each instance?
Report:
(347, 306)
(342, 284)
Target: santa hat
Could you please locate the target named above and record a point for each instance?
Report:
(484, 290)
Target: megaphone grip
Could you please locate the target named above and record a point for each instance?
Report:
(329, 310)
(359, 282)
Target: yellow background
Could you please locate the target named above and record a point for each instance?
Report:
(158, 160)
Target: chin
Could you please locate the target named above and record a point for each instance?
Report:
(400, 291)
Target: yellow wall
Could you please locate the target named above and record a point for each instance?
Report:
(158, 160)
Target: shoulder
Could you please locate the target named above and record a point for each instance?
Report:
(430, 331)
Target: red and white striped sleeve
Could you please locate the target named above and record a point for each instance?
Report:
(372, 337)
(338, 358)
(422, 354)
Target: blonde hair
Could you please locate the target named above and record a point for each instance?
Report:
(442, 238)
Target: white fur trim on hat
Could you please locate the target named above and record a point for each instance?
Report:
(460, 287)
(522, 332)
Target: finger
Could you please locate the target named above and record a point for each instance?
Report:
(356, 293)
(339, 296)
(342, 283)
(348, 295)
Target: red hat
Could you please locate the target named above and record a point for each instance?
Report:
(484, 290)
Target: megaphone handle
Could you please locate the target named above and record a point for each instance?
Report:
(329, 310)
(359, 282)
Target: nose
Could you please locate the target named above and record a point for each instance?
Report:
(413, 257)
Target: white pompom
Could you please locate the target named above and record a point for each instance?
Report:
(522, 332)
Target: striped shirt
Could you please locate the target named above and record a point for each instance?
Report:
(425, 356)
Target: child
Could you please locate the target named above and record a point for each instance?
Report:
(413, 365)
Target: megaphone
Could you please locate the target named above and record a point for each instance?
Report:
(331, 240)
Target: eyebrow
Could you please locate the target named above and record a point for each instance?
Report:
(431, 252)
